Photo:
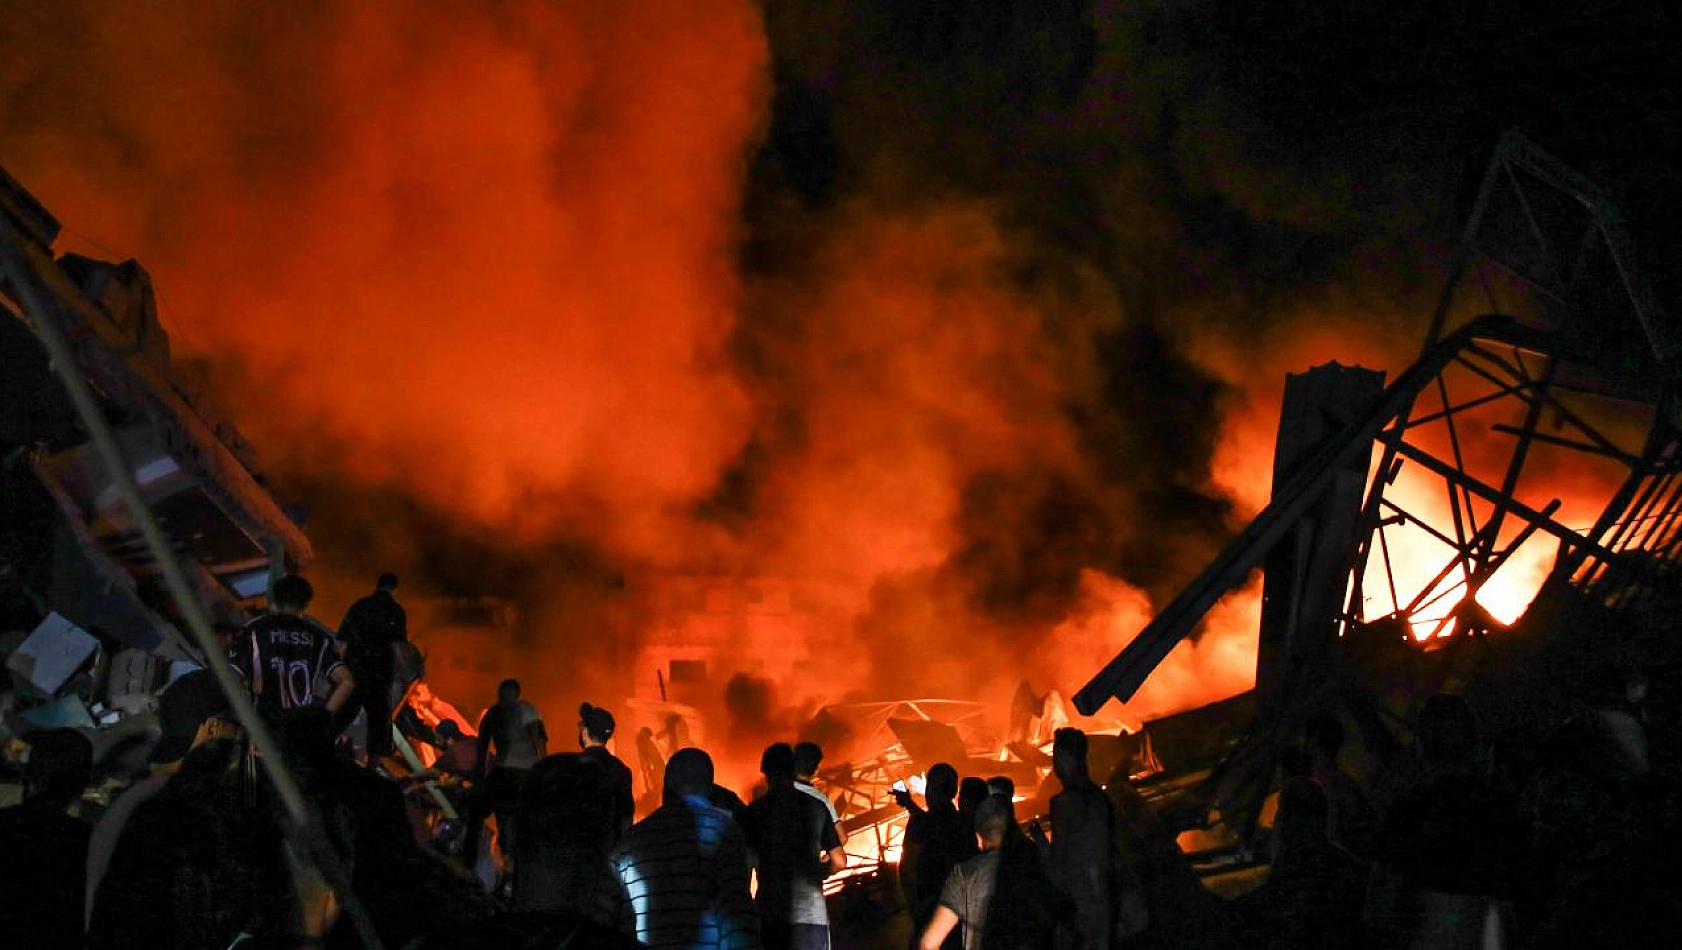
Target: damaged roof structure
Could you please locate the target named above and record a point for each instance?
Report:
(74, 567)
(1547, 378)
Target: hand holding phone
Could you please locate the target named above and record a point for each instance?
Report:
(902, 795)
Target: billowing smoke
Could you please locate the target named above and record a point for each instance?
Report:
(465, 274)
(967, 317)
(481, 255)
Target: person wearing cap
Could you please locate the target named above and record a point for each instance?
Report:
(595, 728)
(191, 712)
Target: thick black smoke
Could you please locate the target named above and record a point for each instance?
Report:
(1165, 175)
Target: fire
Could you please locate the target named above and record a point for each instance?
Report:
(491, 259)
(1416, 560)
(1413, 569)
(1219, 663)
(1508, 593)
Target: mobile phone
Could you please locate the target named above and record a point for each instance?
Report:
(899, 785)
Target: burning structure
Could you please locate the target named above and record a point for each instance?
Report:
(1502, 517)
(986, 487)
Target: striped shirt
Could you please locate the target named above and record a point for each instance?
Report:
(685, 872)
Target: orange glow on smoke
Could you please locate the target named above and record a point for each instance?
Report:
(1220, 662)
(487, 256)
(479, 254)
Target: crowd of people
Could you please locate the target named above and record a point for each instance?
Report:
(1469, 843)
(1450, 847)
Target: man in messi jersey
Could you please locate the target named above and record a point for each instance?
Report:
(286, 653)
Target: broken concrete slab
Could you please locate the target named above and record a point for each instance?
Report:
(52, 653)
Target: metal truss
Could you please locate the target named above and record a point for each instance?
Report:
(1547, 365)
(1534, 444)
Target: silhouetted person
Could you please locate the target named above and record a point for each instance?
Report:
(595, 728)
(674, 734)
(46, 849)
(1314, 892)
(407, 893)
(795, 846)
(1601, 864)
(284, 653)
(191, 711)
(1353, 826)
(651, 764)
(197, 864)
(513, 731)
(972, 791)
(1002, 897)
(1451, 846)
(937, 837)
(567, 828)
(1083, 840)
(807, 757)
(1005, 787)
(685, 869)
(1179, 910)
(371, 629)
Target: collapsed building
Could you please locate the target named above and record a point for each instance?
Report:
(1528, 459)
(1503, 520)
(89, 631)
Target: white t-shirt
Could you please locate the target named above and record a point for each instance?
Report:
(820, 796)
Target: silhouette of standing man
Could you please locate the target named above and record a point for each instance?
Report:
(372, 626)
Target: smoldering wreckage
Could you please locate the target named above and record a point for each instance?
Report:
(1501, 517)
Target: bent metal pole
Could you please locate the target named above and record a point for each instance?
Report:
(41, 314)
